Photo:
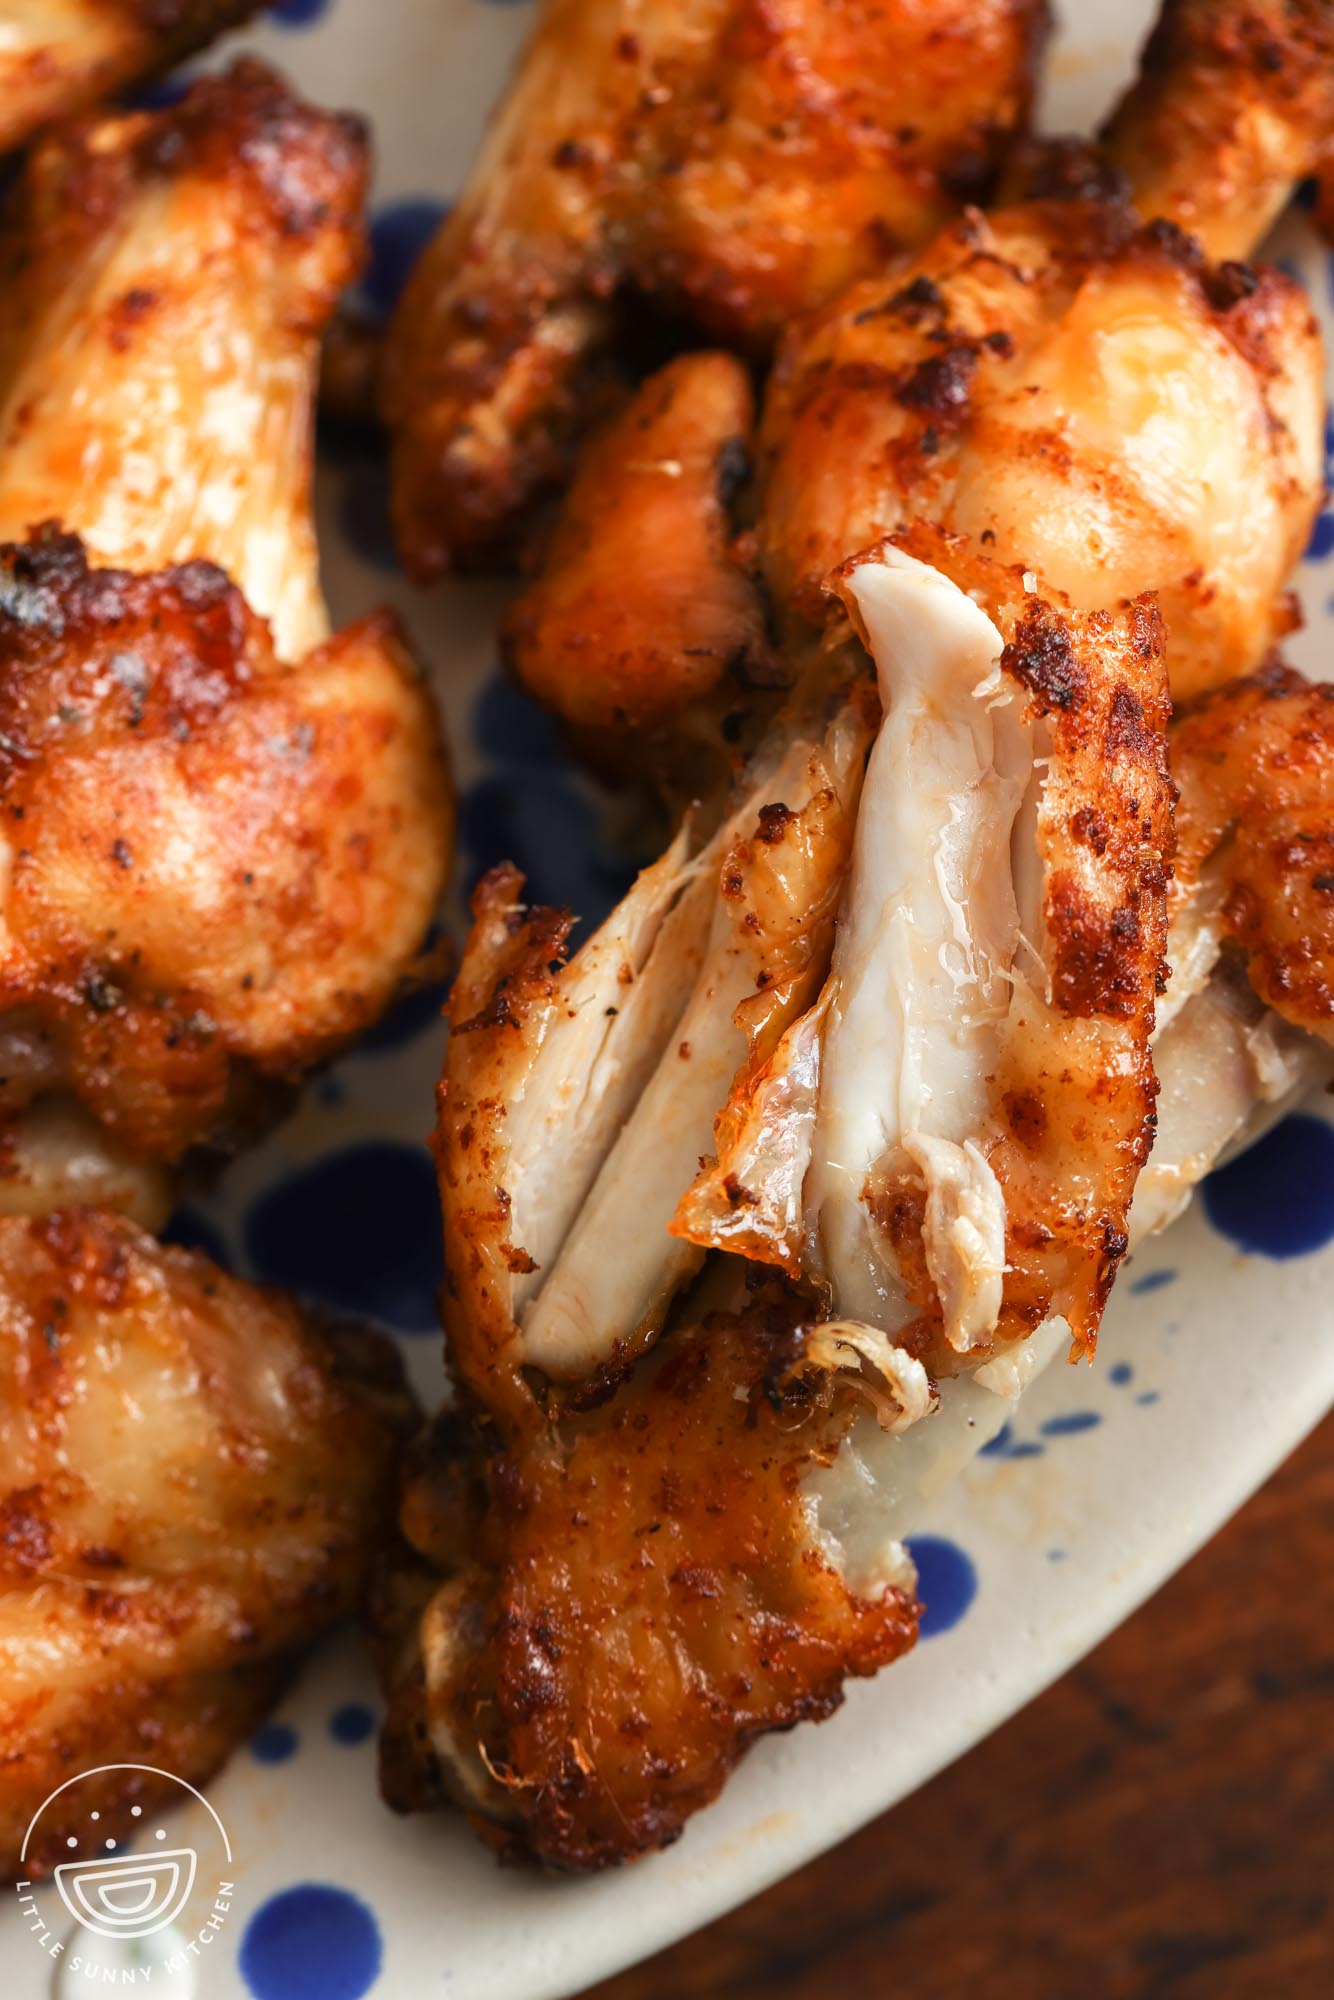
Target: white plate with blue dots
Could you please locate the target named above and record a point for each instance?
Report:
(1217, 1354)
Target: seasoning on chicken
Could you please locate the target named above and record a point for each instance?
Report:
(223, 833)
(907, 1003)
(733, 162)
(58, 57)
(1084, 395)
(195, 1476)
(1233, 106)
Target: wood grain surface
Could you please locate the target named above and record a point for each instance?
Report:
(1161, 1822)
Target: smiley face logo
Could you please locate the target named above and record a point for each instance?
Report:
(138, 1881)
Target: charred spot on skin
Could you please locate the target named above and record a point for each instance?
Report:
(127, 315)
(775, 820)
(1042, 657)
(1026, 1116)
(25, 1531)
(101, 994)
(942, 386)
(1226, 285)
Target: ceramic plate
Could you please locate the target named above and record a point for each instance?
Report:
(1217, 1354)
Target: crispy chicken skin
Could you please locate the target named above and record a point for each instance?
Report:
(58, 57)
(169, 277)
(909, 999)
(641, 1599)
(216, 867)
(194, 1479)
(1234, 104)
(225, 833)
(1087, 395)
(735, 160)
(1254, 763)
(1083, 394)
(643, 606)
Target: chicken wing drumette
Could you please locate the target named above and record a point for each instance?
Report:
(195, 1477)
(1082, 393)
(735, 162)
(1234, 104)
(224, 833)
(58, 57)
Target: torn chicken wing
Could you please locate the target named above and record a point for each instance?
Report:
(58, 57)
(223, 833)
(736, 162)
(902, 1004)
(194, 1479)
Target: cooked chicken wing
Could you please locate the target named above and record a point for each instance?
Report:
(902, 1005)
(60, 56)
(1084, 395)
(194, 1479)
(735, 162)
(225, 833)
(641, 1596)
(1233, 106)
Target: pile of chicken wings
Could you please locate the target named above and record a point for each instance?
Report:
(907, 504)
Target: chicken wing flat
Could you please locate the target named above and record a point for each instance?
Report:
(194, 1479)
(216, 867)
(736, 162)
(225, 833)
(642, 1596)
(1233, 106)
(58, 57)
(900, 1003)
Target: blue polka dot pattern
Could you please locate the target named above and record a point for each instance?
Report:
(299, 13)
(1071, 1424)
(313, 1939)
(1152, 1281)
(946, 1582)
(352, 1723)
(274, 1743)
(399, 232)
(359, 1230)
(1277, 1198)
(1121, 1374)
(1322, 535)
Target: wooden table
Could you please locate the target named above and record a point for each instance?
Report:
(1161, 1822)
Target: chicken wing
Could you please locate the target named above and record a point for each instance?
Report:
(902, 1005)
(225, 833)
(1082, 394)
(736, 162)
(58, 57)
(195, 1478)
(1234, 104)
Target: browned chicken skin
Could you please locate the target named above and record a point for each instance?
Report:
(216, 868)
(61, 56)
(735, 160)
(911, 997)
(195, 1477)
(649, 506)
(1081, 393)
(643, 1596)
(1234, 104)
(225, 833)
(1254, 764)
